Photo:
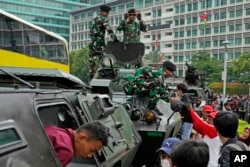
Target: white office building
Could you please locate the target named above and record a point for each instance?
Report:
(178, 25)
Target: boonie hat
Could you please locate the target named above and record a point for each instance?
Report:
(168, 144)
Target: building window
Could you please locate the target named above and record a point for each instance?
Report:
(202, 31)
(231, 14)
(176, 34)
(195, 19)
(189, 7)
(181, 46)
(223, 15)
(238, 27)
(201, 44)
(180, 73)
(231, 42)
(130, 5)
(182, 34)
(175, 58)
(222, 28)
(209, 3)
(208, 44)
(247, 26)
(216, 30)
(176, 22)
(248, 11)
(187, 45)
(221, 56)
(189, 20)
(231, 28)
(194, 32)
(215, 42)
(203, 4)
(217, 3)
(216, 16)
(215, 56)
(237, 41)
(208, 30)
(247, 40)
(195, 6)
(238, 13)
(237, 55)
(182, 8)
(230, 56)
(194, 44)
(239, 0)
(182, 21)
(177, 9)
(232, 1)
(175, 46)
(181, 58)
(188, 33)
(223, 2)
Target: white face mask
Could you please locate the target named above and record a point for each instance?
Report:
(165, 163)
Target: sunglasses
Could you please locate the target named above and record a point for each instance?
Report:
(130, 14)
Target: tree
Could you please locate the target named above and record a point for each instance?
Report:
(211, 66)
(241, 67)
(79, 65)
(153, 57)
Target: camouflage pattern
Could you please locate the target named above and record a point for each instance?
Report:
(132, 30)
(97, 46)
(146, 82)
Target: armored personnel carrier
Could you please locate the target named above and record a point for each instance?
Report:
(120, 60)
(26, 107)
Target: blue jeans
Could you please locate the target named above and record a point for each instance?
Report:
(186, 130)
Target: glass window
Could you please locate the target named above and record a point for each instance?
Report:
(232, 1)
(209, 3)
(188, 33)
(188, 57)
(231, 14)
(180, 73)
(230, 56)
(222, 28)
(247, 26)
(176, 22)
(189, 20)
(189, 7)
(215, 42)
(208, 30)
(195, 6)
(216, 16)
(223, 2)
(248, 11)
(217, 3)
(130, 5)
(203, 4)
(182, 34)
(216, 30)
(247, 40)
(201, 44)
(221, 56)
(8, 137)
(237, 41)
(239, 0)
(176, 34)
(175, 58)
(182, 8)
(215, 56)
(238, 13)
(194, 32)
(202, 31)
(195, 19)
(182, 21)
(237, 55)
(194, 44)
(208, 44)
(181, 58)
(177, 9)
(231, 28)
(175, 46)
(181, 46)
(238, 27)
(187, 45)
(223, 15)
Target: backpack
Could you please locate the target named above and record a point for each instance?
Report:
(237, 147)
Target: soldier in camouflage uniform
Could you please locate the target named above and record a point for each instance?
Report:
(97, 46)
(147, 82)
(132, 29)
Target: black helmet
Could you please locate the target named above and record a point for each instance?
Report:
(176, 105)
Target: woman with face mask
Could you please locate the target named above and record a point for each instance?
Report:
(166, 149)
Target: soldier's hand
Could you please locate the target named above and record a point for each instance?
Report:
(125, 16)
(139, 16)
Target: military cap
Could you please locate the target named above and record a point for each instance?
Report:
(105, 8)
(169, 66)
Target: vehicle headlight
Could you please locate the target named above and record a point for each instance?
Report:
(106, 60)
(149, 116)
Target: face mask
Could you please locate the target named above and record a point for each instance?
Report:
(165, 163)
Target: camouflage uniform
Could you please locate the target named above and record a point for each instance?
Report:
(97, 27)
(146, 82)
(131, 30)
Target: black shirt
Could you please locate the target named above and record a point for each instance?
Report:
(184, 112)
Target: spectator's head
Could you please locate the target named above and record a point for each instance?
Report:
(168, 68)
(166, 150)
(206, 110)
(211, 117)
(132, 14)
(104, 10)
(226, 124)
(245, 137)
(189, 153)
(227, 106)
(90, 138)
(181, 89)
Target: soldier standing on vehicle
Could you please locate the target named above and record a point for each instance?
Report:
(146, 82)
(97, 46)
(132, 29)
